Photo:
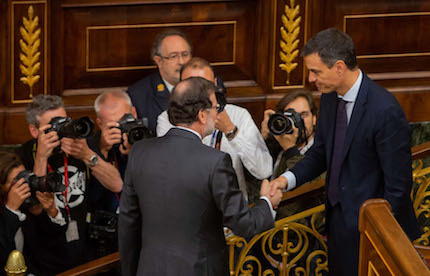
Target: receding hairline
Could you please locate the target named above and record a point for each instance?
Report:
(116, 94)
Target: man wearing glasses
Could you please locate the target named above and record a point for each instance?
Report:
(170, 51)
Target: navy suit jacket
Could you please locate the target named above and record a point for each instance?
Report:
(150, 98)
(376, 157)
(178, 193)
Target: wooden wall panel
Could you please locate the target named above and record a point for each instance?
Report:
(96, 45)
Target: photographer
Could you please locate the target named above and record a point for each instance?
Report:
(11, 198)
(51, 250)
(288, 149)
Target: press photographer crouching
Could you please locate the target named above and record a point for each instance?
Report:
(289, 132)
(119, 129)
(56, 238)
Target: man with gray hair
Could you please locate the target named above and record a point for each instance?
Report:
(51, 234)
(170, 51)
(178, 194)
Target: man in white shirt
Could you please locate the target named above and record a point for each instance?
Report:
(241, 138)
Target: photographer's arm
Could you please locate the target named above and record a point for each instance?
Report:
(105, 172)
(46, 142)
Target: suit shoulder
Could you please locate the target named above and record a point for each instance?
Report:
(144, 84)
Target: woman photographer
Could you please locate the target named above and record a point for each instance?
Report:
(12, 195)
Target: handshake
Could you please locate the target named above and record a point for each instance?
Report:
(273, 190)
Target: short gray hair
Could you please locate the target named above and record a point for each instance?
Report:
(41, 104)
(101, 99)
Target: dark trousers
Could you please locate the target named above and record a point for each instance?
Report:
(343, 244)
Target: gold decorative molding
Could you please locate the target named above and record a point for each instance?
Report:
(15, 48)
(137, 67)
(274, 52)
(29, 56)
(289, 42)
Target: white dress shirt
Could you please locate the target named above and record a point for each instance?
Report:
(247, 148)
(350, 97)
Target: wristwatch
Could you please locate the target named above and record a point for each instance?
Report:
(94, 160)
(232, 133)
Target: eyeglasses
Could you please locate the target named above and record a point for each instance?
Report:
(176, 56)
(217, 107)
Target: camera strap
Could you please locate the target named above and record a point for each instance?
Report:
(216, 139)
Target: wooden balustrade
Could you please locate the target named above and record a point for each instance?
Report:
(384, 247)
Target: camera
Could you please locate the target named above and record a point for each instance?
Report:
(136, 129)
(103, 229)
(220, 98)
(66, 127)
(52, 182)
(283, 122)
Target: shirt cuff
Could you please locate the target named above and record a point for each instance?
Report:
(59, 219)
(21, 216)
(270, 205)
(291, 178)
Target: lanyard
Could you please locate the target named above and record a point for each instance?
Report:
(216, 139)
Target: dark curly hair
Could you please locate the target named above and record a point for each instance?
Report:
(9, 160)
(186, 101)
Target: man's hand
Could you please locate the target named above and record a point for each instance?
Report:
(48, 204)
(125, 146)
(223, 122)
(278, 184)
(77, 148)
(265, 190)
(288, 141)
(264, 128)
(17, 194)
(46, 143)
(111, 135)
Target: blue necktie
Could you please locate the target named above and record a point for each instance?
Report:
(338, 143)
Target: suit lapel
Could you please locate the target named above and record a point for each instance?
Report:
(331, 102)
(357, 114)
(161, 94)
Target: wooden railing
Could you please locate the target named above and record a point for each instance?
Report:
(94, 267)
(384, 247)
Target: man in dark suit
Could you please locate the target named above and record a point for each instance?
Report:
(170, 51)
(179, 193)
(362, 140)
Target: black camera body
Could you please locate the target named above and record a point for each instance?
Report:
(220, 98)
(136, 129)
(103, 229)
(66, 127)
(52, 182)
(283, 122)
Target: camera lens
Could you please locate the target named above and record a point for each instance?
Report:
(135, 135)
(83, 129)
(279, 124)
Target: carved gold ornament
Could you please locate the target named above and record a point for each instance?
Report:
(289, 41)
(420, 195)
(29, 56)
(293, 247)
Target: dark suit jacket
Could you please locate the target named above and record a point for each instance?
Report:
(177, 196)
(9, 225)
(376, 158)
(150, 97)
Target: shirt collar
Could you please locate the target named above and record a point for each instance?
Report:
(352, 93)
(190, 130)
(306, 147)
(168, 85)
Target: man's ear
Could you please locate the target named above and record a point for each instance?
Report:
(99, 123)
(340, 67)
(133, 112)
(314, 120)
(34, 131)
(202, 116)
(157, 60)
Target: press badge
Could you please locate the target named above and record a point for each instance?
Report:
(72, 233)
